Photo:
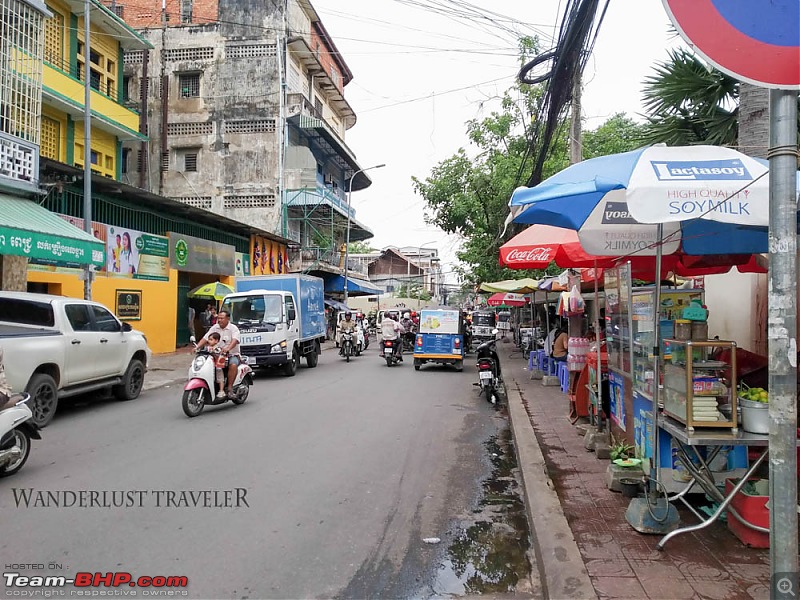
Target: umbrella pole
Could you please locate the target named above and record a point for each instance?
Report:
(657, 352)
(546, 319)
(599, 380)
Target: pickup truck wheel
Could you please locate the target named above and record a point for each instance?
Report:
(290, 368)
(44, 395)
(313, 358)
(132, 381)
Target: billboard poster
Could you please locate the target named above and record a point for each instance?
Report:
(242, 265)
(189, 253)
(268, 257)
(136, 255)
(616, 389)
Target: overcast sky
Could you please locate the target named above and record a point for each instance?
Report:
(419, 75)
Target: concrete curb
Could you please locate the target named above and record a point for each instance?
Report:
(562, 570)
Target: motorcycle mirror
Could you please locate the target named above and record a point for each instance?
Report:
(495, 331)
(192, 339)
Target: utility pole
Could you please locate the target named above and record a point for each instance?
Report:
(87, 140)
(575, 145)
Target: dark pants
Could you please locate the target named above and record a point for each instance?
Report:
(560, 358)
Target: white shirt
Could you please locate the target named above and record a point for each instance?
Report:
(390, 328)
(230, 333)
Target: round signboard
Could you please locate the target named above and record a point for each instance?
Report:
(757, 41)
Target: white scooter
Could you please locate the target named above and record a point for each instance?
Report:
(200, 389)
(16, 430)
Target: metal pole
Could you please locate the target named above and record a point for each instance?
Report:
(657, 351)
(782, 332)
(347, 237)
(597, 342)
(87, 141)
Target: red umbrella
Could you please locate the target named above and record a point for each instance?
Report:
(508, 299)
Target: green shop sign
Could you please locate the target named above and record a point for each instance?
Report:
(51, 248)
(188, 253)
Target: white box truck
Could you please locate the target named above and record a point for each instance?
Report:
(281, 319)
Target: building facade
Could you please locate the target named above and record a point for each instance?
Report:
(245, 109)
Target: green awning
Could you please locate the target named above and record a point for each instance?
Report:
(27, 229)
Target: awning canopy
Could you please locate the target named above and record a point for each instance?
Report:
(27, 229)
(355, 287)
(517, 286)
(335, 304)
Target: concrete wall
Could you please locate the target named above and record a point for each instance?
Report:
(13, 273)
(737, 309)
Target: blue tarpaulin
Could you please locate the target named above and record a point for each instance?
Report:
(355, 287)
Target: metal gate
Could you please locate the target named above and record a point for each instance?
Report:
(182, 331)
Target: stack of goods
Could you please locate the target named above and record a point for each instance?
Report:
(705, 409)
(577, 348)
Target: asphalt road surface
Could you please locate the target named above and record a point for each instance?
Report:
(333, 479)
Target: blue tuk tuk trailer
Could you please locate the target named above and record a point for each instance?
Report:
(440, 337)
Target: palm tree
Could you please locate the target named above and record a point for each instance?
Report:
(688, 102)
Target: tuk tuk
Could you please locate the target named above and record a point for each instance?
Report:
(483, 322)
(440, 338)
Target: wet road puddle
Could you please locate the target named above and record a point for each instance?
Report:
(488, 552)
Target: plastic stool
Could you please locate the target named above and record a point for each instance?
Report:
(563, 376)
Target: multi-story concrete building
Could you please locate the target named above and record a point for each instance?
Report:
(244, 105)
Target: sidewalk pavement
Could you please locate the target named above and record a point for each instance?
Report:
(584, 546)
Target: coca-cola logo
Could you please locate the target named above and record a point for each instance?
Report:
(540, 254)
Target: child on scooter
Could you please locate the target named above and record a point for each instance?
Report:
(219, 362)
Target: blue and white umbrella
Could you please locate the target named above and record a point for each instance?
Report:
(702, 195)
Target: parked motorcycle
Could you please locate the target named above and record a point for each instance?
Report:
(348, 345)
(16, 430)
(488, 365)
(200, 389)
(391, 351)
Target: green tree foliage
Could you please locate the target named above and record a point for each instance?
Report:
(468, 193)
(688, 102)
(360, 248)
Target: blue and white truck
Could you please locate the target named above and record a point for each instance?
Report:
(281, 319)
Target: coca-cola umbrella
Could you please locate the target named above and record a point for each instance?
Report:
(507, 299)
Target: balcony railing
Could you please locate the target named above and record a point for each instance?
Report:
(99, 83)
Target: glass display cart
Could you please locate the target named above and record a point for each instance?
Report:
(699, 391)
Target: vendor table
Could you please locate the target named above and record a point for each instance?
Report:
(697, 467)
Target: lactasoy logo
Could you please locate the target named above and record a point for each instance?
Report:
(701, 170)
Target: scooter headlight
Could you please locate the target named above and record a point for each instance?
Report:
(198, 362)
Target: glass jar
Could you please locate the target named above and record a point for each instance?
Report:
(699, 331)
(683, 329)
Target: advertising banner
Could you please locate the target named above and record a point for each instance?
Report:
(188, 253)
(616, 389)
(136, 255)
(242, 265)
(54, 253)
(268, 257)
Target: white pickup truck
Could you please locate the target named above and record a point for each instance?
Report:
(56, 347)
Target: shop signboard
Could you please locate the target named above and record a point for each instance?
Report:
(129, 305)
(268, 257)
(616, 391)
(242, 268)
(188, 253)
(50, 249)
(66, 263)
(134, 254)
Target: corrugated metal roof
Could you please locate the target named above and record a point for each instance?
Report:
(27, 215)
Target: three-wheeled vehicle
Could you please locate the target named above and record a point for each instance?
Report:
(440, 337)
(483, 322)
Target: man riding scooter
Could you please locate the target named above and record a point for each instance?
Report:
(410, 332)
(391, 329)
(346, 326)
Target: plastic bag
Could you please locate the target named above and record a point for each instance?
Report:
(576, 303)
(563, 304)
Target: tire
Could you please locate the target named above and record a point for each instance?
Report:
(44, 398)
(290, 368)
(313, 359)
(389, 361)
(347, 350)
(459, 365)
(417, 364)
(132, 381)
(490, 394)
(192, 402)
(242, 394)
(23, 440)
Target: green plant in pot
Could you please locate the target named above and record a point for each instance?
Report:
(621, 450)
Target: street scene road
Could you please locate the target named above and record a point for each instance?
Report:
(334, 479)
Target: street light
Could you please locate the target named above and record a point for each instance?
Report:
(347, 242)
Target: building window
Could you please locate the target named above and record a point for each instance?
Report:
(139, 161)
(126, 88)
(186, 11)
(119, 10)
(95, 158)
(126, 154)
(51, 139)
(54, 40)
(94, 56)
(190, 161)
(318, 106)
(165, 161)
(189, 85)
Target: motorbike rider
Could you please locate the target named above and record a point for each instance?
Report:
(348, 325)
(410, 328)
(392, 329)
(229, 336)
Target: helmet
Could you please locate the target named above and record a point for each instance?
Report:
(413, 313)
(406, 315)
(348, 314)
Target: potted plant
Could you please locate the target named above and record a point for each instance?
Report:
(621, 450)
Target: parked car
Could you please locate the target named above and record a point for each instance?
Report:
(57, 347)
